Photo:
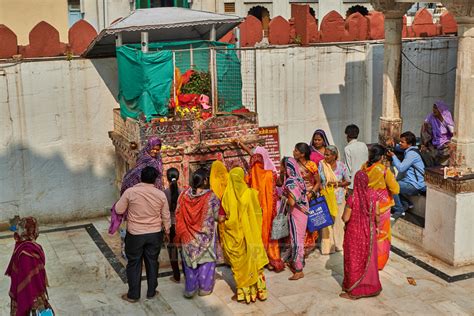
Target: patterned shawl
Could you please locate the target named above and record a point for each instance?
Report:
(294, 185)
(26, 267)
(195, 222)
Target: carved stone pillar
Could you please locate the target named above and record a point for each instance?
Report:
(448, 232)
(463, 141)
(391, 122)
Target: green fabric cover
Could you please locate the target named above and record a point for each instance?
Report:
(145, 82)
(145, 79)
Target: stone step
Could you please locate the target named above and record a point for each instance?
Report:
(407, 231)
(419, 205)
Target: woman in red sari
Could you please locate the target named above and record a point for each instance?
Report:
(26, 269)
(361, 275)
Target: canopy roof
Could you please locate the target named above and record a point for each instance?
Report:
(162, 24)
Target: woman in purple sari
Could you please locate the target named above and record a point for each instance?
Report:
(27, 272)
(361, 275)
(436, 133)
(149, 156)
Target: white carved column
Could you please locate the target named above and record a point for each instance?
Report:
(391, 122)
(449, 221)
(463, 139)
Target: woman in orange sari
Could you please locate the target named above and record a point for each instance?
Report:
(309, 173)
(383, 186)
(264, 181)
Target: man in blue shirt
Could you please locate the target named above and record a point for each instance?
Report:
(411, 173)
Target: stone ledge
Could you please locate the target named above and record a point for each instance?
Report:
(407, 232)
(435, 177)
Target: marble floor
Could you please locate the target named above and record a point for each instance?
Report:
(83, 281)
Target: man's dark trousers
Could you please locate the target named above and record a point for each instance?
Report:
(144, 247)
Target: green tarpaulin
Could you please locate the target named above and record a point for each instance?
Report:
(145, 79)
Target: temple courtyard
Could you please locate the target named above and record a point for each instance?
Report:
(86, 276)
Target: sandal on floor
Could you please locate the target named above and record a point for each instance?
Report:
(189, 295)
(126, 298)
(172, 279)
(150, 297)
(296, 276)
(347, 296)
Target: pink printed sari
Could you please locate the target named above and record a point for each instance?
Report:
(361, 276)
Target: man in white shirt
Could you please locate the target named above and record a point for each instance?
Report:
(355, 153)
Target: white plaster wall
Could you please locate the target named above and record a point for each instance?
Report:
(56, 160)
(331, 86)
(208, 5)
(101, 13)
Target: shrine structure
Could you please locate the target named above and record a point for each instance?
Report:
(170, 47)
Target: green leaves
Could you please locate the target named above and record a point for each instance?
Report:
(199, 83)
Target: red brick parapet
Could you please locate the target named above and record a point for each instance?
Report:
(303, 28)
(43, 41)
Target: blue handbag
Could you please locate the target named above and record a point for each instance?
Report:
(318, 214)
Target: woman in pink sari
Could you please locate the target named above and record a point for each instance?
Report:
(318, 145)
(294, 189)
(361, 275)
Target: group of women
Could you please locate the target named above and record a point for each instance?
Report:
(249, 200)
(227, 216)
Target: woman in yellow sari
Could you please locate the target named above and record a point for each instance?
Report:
(383, 186)
(242, 238)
